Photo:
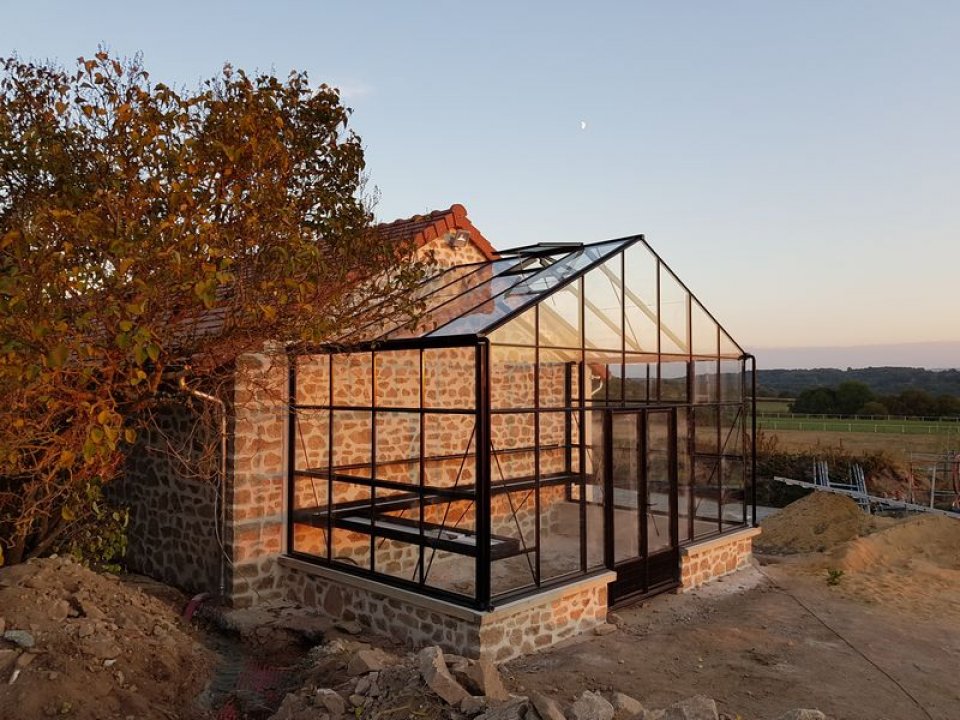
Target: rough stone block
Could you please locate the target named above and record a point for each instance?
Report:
(546, 707)
(433, 669)
(625, 706)
(591, 706)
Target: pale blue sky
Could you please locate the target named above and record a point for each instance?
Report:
(798, 164)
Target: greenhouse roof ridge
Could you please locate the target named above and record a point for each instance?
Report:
(465, 304)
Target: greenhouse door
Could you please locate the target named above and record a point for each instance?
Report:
(640, 502)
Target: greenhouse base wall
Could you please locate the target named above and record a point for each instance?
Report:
(509, 631)
(705, 561)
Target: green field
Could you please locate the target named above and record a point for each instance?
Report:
(898, 426)
(773, 405)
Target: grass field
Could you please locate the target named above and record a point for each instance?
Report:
(773, 405)
(896, 426)
(896, 436)
(900, 446)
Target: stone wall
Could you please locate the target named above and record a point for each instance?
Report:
(504, 633)
(708, 560)
(255, 502)
(170, 485)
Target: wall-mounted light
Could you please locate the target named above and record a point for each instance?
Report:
(458, 238)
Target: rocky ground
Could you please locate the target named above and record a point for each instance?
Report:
(855, 616)
(78, 644)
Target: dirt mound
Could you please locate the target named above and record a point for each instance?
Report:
(929, 540)
(817, 522)
(912, 565)
(85, 645)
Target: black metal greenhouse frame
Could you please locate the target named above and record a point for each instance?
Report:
(575, 412)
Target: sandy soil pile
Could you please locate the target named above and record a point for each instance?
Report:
(815, 523)
(84, 645)
(913, 565)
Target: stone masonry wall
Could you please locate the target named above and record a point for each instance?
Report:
(701, 563)
(500, 635)
(255, 499)
(170, 486)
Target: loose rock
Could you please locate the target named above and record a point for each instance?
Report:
(698, 707)
(486, 677)
(516, 709)
(591, 706)
(349, 627)
(547, 708)
(366, 661)
(19, 637)
(332, 701)
(625, 706)
(433, 669)
(102, 648)
(472, 705)
(604, 629)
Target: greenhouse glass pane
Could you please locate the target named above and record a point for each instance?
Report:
(728, 348)
(704, 331)
(673, 313)
(528, 287)
(560, 318)
(603, 307)
(522, 330)
(640, 299)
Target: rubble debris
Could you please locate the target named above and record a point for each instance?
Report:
(349, 627)
(434, 671)
(625, 706)
(367, 660)
(19, 637)
(698, 707)
(546, 707)
(485, 677)
(591, 706)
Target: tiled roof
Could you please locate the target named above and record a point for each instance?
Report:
(424, 228)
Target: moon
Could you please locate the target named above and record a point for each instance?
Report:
(583, 124)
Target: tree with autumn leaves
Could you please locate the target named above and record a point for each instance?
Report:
(148, 233)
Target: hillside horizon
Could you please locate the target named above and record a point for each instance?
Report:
(926, 355)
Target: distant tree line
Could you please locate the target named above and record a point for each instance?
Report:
(856, 398)
(882, 381)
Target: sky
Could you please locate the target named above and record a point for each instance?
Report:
(797, 164)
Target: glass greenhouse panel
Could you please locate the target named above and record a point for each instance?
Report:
(673, 378)
(560, 318)
(603, 306)
(313, 379)
(527, 286)
(639, 378)
(640, 299)
(674, 328)
(512, 373)
(728, 348)
(704, 331)
(521, 330)
(449, 378)
(353, 379)
(731, 381)
(706, 387)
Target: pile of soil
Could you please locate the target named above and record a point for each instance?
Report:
(913, 565)
(83, 645)
(815, 523)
